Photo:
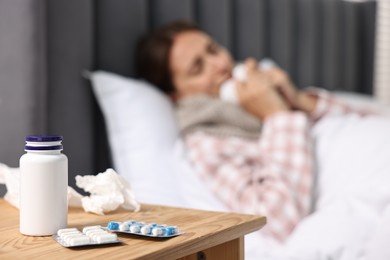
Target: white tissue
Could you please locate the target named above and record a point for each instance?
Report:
(108, 190)
(227, 91)
(10, 177)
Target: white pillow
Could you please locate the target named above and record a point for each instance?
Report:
(142, 132)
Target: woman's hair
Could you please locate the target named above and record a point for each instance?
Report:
(153, 51)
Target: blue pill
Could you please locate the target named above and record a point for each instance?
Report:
(169, 231)
(113, 225)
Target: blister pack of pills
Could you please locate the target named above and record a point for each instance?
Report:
(144, 229)
(91, 235)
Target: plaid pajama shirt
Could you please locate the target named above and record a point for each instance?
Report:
(272, 176)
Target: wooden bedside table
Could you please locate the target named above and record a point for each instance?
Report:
(212, 234)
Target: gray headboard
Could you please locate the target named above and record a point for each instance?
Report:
(46, 44)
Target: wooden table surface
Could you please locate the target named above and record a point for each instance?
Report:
(203, 229)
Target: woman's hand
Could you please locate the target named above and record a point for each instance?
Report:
(257, 94)
(296, 99)
(284, 86)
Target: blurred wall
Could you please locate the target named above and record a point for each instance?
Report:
(22, 75)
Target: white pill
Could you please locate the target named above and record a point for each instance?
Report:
(79, 240)
(135, 228)
(67, 234)
(65, 230)
(90, 228)
(96, 235)
(93, 231)
(110, 237)
(157, 231)
(70, 233)
(67, 239)
(123, 227)
(93, 235)
(146, 230)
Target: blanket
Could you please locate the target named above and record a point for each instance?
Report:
(352, 215)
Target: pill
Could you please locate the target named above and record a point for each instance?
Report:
(135, 228)
(63, 235)
(65, 230)
(71, 233)
(140, 224)
(158, 231)
(91, 227)
(67, 239)
(123, 227)
(93, 231)
(169, 231)
(90, 233)
(146, 229)
(96, 235)
(109, 237)
(79, 240)
(113, 225)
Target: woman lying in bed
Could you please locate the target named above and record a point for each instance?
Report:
(270, 155)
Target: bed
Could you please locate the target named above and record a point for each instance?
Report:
(322, 43)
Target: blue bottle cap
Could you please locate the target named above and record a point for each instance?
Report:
(43, 148)
(43, 138)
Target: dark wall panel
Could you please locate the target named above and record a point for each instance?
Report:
(308, 43)
(351, 46)
(164, 11)
(332, 69)
(23, 86)
(282, 31)
(366, 34)
(70, 102)
(250, 29)
(119, 24)
(216, 18)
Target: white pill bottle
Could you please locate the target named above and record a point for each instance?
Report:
(43, 186)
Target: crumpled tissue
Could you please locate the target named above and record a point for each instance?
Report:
(10, 177)
(108, 191)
